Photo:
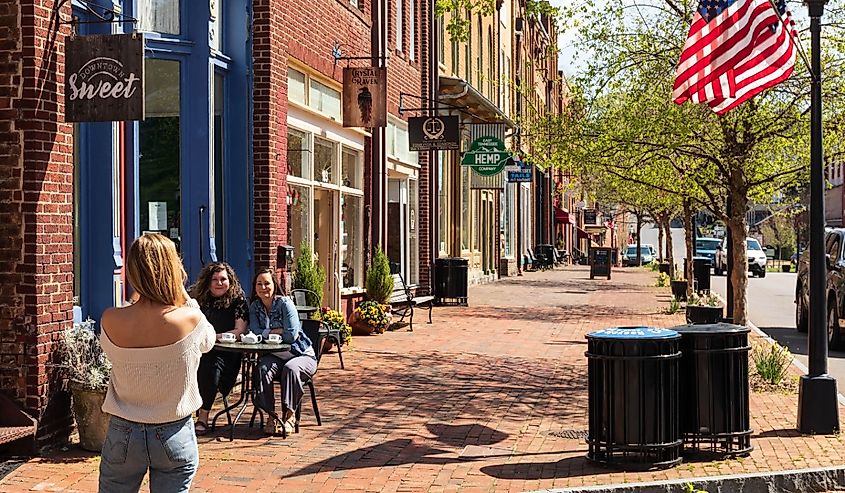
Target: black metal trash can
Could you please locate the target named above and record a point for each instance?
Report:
(701, 272)
(633, 397)
(714, 387)
(450, 281)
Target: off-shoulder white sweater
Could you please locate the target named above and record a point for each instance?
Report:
(157, 384)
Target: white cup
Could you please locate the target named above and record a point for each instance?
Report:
(274, 338)
(250, 338)
(228, 337)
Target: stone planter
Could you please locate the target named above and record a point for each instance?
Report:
(91, 422)
(786, 268)
(697, 314)
(679, 290)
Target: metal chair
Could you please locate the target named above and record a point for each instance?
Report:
(312, 329)
(300, 298)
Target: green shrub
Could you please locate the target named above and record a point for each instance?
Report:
(771, 362)
(653, 266)
(309, 275)
(379, 281)
(662, 280)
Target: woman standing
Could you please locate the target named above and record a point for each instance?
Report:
(270, 312)
(155, 346)
(222, 301)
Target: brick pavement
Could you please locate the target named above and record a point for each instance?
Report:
(490, 397)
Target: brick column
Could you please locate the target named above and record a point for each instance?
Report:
(36, 192)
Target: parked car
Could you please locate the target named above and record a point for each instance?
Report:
(834, 239)
(756, 258)
(706, 247)
(629, 256)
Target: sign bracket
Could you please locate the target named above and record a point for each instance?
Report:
(103, 15)
(337, 54)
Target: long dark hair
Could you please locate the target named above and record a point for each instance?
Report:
(201, 290)
(277, 288)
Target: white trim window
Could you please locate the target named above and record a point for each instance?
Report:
(308, 91)
(399, 32)
(412, 29)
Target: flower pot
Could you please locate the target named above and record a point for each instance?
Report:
(698, 314)
(91, 422)
(665, 268)
(786, 268)
(679, 290)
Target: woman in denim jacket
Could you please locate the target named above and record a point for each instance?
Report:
(271, 312)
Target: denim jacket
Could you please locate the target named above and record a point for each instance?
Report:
(282, 315)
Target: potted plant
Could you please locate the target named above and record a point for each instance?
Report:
(333, 321)
(704, 309)
(309, 275)
(785, 267)
(679, 289)
(379, 281)
(88, 371)
(370, 317)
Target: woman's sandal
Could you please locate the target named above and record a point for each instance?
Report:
(200, 428)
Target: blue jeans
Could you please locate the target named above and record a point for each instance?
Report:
(168, 450)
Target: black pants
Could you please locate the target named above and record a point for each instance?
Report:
(217, 372)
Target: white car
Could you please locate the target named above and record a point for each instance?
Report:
(756, 258)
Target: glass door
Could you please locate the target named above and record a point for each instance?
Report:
(326, 210)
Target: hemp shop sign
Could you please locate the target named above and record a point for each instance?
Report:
(104, 78)
(486, 155)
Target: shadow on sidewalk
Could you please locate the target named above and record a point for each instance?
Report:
(554, 314)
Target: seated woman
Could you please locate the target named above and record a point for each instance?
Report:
(222, 301)
(270, 312)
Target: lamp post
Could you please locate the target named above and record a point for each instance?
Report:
(817, 403)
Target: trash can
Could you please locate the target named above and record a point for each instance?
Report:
(714, 388)
(701, 272)
(633, 400)
(450, 281)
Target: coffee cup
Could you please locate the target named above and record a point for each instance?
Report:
(250, 338)
(274, 338)
(228, 337)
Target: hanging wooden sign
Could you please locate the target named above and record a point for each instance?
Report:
(365, 97)
(104, 78)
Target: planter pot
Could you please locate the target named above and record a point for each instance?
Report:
(704, 314)
(679, 290)
(665, 268)
(786, 268)
(91, 422)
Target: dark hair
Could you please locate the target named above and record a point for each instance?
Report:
(201, 291)
(277, 288)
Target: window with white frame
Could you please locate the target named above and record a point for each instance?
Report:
(399, 24)
(412, 29)
(308, 91)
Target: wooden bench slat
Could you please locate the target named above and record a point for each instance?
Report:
(12, 433)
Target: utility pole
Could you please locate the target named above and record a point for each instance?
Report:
(818, 410)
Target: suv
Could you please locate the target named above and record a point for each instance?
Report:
(756, 258)
(706, 247)
(629, 255)
(834, 239)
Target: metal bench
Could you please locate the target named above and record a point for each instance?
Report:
(17, 429)
(403, 303)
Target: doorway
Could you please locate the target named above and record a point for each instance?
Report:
(325, 241)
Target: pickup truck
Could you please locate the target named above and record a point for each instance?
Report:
(834, 240)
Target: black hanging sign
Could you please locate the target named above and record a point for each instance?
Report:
(434, 133)
(104, 78)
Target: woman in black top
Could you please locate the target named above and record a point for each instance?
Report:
(222, 300)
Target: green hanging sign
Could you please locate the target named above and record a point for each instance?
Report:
(486, 155)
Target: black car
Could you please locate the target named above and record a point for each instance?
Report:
(834, 240)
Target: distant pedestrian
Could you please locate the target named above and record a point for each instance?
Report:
(155, 346)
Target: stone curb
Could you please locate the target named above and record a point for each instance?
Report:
(795, 481)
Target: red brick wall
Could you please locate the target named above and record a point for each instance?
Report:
(36, 191)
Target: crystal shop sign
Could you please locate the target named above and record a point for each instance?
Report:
(104, 78)
(365, 97)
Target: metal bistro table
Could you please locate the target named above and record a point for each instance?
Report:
(251, 354)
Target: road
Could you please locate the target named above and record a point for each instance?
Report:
(771, 308)
(649, 236)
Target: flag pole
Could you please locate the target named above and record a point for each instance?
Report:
(795, 39)
(818, 410)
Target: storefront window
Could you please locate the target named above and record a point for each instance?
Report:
(324, 161)
(413, 236)
(161, 16)
(351, 246)
(351, 169)
(442, 203)
(159, 161)
(299, 216)
(298, 154)
(324, 99)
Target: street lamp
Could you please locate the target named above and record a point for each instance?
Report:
(817, 403)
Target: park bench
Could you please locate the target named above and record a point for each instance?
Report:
(17, 429)
(403, 303)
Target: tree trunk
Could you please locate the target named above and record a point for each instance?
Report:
(660, 238)
(739, 275)
(670, 248)
(689, 239)
(639, 238)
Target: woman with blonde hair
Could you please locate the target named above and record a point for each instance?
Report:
(155, 346)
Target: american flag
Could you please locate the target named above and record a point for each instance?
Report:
(735, 50)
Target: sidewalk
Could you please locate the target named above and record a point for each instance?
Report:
(490, 397)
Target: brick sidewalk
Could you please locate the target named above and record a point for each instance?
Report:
(490, 397)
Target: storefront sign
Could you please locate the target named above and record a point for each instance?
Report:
(589, 216)
(365, 97)
(434, 133)
(486, 155)
(104, 78)
(519, 173)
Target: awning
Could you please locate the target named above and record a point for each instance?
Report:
(595, 229)
(581, 234)
(457, 92)
(563, 216)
